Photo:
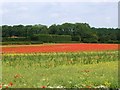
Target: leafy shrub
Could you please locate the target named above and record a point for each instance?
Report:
(47, 38)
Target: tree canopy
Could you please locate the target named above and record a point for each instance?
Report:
(80, 32)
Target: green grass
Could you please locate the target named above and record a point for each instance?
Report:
(80, 69)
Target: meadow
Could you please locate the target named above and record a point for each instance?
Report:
(93, 69)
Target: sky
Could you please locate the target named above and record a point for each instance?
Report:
(101, 13)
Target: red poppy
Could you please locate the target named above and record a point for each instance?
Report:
(10, 84)
(43, 86)
(60, 48)
(6, 86)
(0, 86)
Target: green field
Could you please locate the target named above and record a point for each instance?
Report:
(55, 70)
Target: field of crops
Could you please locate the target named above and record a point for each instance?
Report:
(58, 48)
(82, 69)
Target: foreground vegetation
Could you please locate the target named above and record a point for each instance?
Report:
(47, 70)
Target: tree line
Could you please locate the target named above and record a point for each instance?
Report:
(66, 32)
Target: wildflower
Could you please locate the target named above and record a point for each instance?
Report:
(0, 86)
(10, 84)
(44, 79)
(88, 86)
(43, 86)
(17, 76)
(24, 84)
(101, 86)
(59, 87)
(50, 87)
(6, 86)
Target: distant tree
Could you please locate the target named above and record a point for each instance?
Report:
(81, 32)
(53, 29)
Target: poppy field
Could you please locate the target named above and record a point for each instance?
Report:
(58, 48)
(79, 68)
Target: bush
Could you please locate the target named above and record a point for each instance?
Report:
(7, 39)
(61, 38)
(76, 38)
(90, 40)
(15, 43)
(47, 38)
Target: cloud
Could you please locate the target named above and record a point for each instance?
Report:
(108, 18)
(94, 13)
(55, 15)
(59, 0)
(23, 8)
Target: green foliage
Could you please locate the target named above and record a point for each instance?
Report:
(81, 32)
(6, 39)
(16, 43)
(46, 38)
(76, 38)
(58, 38)
(108, 35)
(21, 42)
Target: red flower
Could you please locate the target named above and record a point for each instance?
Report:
(6, 86)
(0, 86)
(43, 86)
(10, 84)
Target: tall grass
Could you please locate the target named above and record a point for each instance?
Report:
(54, 59)
(80, 69)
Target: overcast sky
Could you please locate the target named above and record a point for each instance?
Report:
(97, 14)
